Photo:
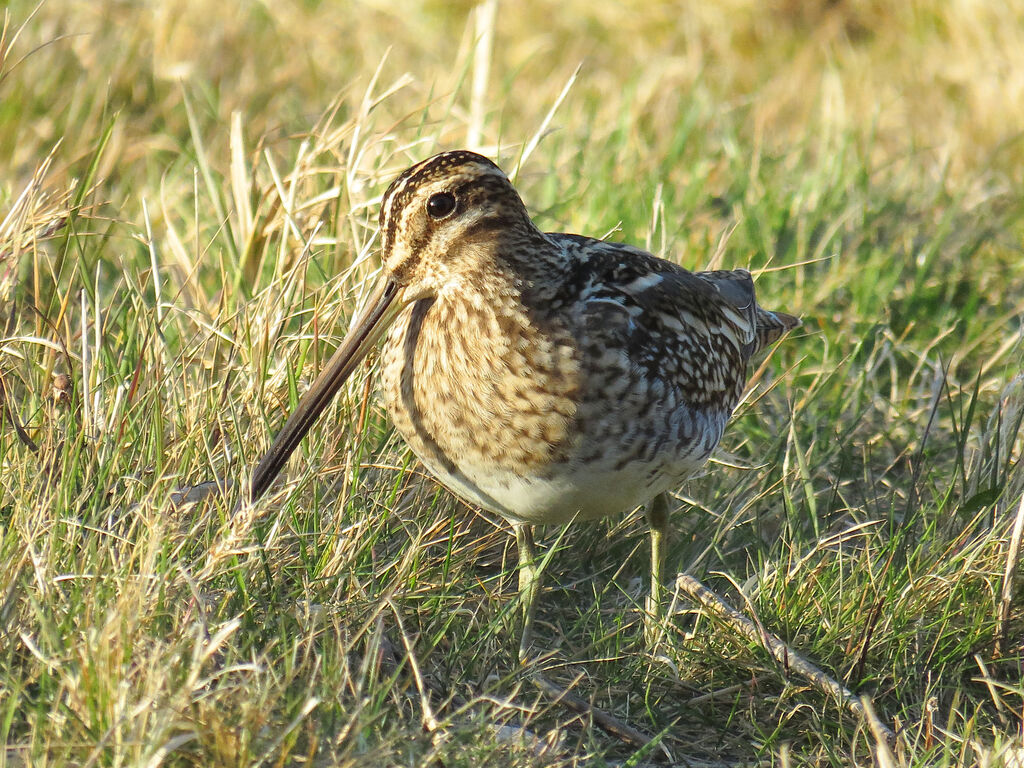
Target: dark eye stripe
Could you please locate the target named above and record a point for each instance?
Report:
(404, 189)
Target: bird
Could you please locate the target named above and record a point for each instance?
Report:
(545, 377)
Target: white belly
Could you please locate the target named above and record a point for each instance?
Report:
(584, 493)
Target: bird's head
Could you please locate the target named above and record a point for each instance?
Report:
(443, 222)
(446, 218)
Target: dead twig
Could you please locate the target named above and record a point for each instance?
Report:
(193, 494)
(778, 649)
(884, 738)
(429, 720)
(607, 722)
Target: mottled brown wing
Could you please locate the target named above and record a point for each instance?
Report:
(696, 330)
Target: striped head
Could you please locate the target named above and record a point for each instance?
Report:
(438, 217)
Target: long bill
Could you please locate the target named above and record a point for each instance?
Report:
(379, 311)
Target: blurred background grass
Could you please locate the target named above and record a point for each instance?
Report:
(940, 77)
(186, 212)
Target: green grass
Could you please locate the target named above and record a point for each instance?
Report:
(187, 220)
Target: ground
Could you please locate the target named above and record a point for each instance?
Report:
(187, 223)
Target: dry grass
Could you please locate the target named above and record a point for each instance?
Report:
(187, 219)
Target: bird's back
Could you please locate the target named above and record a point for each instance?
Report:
(695, 331)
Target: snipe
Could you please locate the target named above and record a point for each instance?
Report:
(541, 376)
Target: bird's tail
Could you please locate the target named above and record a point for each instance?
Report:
(772, 326)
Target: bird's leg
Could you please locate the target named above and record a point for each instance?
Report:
(657, 518)
(529, 583)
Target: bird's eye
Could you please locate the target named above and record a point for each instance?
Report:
(440, 205)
